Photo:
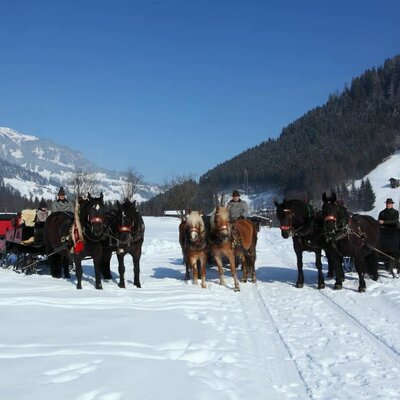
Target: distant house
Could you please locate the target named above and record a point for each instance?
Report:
(394, 182)
(172, 213)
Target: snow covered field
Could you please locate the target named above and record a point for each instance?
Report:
(172, 340)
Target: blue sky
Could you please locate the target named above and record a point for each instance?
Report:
(173, 88)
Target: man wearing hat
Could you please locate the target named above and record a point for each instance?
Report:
(389, 216)
(62, 204)
(237, 207)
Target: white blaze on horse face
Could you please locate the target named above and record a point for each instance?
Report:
(195, 221)
(194, 235)
(97, 207)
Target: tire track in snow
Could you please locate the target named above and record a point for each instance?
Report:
(372, 336)
(328, 344)
(285, 344)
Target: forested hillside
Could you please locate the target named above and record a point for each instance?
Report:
(341, 140)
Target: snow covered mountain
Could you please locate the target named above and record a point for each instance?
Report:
(37, 167)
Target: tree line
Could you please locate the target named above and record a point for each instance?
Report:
(343, 139)
(361, 198)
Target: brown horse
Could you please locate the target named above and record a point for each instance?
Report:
(232, 239)
(192, 237)
(245, 247)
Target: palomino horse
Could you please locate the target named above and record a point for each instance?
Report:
(232, 239)
(192, 237)
(94, 229)
(356, 236)
(299, 220)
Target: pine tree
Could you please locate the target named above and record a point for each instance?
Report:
(369, 196)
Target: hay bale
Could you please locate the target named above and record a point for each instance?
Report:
(28, 215)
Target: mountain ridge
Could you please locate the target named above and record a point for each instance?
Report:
(36, 167)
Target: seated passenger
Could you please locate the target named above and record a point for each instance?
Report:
(42, 212)
(41, 215)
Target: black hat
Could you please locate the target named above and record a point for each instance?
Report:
(389, 201)
(61, 191)
(43, 204)
(235, 193)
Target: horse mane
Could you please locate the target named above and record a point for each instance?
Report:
(195, 218)
(222, 211)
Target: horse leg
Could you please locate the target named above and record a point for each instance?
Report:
(78, 271)
(55, 267)
(65, 265)
(97, 270)
(371, 263)
(245, 268)
(299, 255)
(121, 270)
(203, 262)
(187, 267)
(233, 271)
(318, 264)
(105, 264)
(338, 267)
(359, 263)
(331, 266)
(218, 261)
(193, 266)
(136, 265)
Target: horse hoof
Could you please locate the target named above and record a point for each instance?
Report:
(79, 287)
(138, 285)
(121, 285)
(299, 285)
(236, 289)
(321, 285)
(99, 287)
(243, 280)
(337, 286)
(362, 289)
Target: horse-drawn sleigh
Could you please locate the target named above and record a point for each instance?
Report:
(23, 246)
(93, 231)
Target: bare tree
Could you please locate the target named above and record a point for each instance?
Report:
(82, 182)
(182, 193)
(131, 181)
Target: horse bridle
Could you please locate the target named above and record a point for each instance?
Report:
(289, 227)
(92, 221)
(200, 243)
(337, 232)
(224, 227)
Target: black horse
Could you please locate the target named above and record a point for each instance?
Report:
(128, 234)
(355, 236)
(299, 220)
(58, 242)
(93, 220)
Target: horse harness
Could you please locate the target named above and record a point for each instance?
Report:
(201, 242)
(347, 229)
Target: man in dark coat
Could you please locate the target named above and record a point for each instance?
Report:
(389, 216)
